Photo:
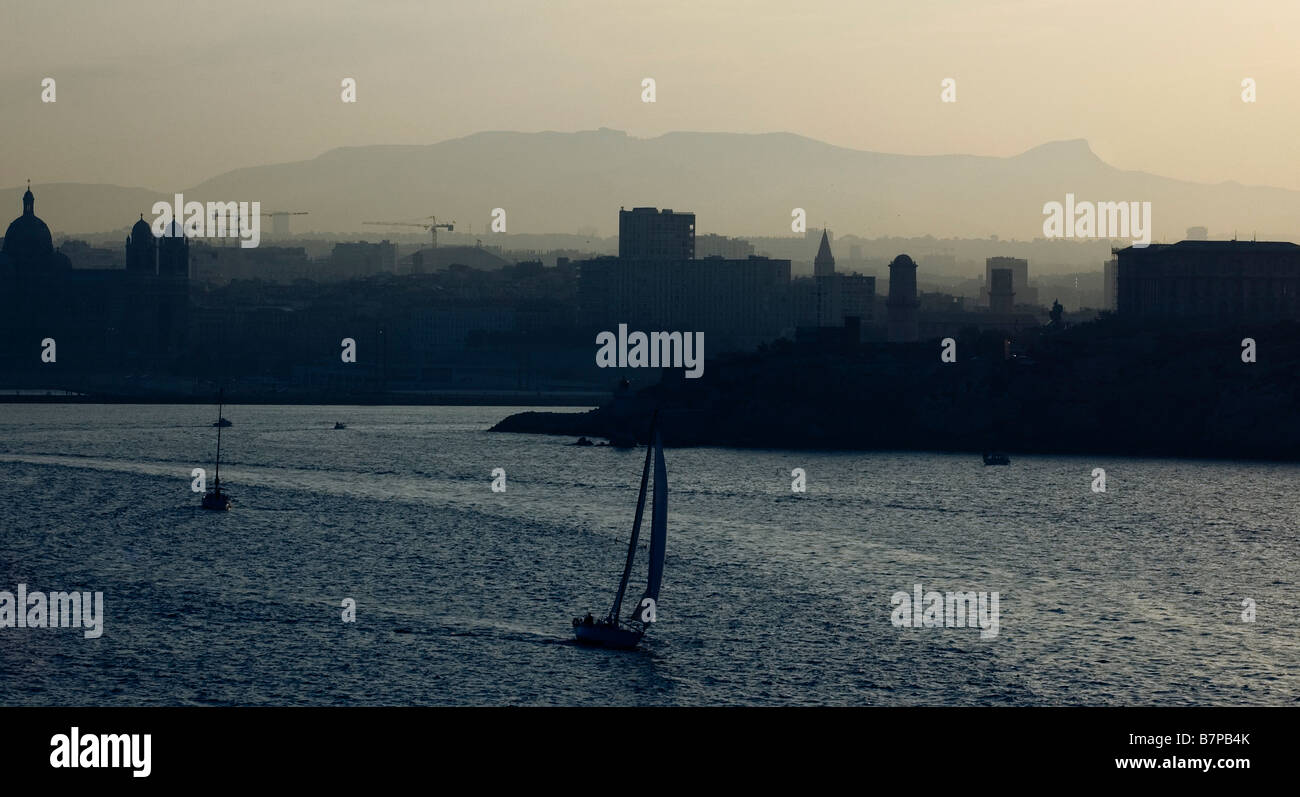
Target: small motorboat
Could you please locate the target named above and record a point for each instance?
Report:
(996, 459)
(582, 441)
(340, 425)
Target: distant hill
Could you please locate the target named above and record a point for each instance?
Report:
(81, 207)
(737, 184)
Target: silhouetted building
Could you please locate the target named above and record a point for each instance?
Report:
(157, 328)
(902, 302)
(857, 298)
(1002, 299)
(824, 278)
(141, 249)
(1110, 284)
(1197, 233)
(830, 298)
(1019, 277)
(429, 261)
(824, 262)
(738, 304)
(713, 245)
(99, 320)
(28, 246)
(174, 254)
(1210, 280)
(650, 234)
(812, 235)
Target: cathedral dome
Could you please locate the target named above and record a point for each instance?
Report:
(28, 240)
(141, 231)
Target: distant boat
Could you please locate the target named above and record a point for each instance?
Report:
(214, 498)
(582, 441)
(622, 441)
(996, 459)
(340, 425)
(612, 631)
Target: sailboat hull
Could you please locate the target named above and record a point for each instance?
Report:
(216, 502)
(606, 636)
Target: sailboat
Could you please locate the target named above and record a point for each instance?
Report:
(214, 499)
(612, 631)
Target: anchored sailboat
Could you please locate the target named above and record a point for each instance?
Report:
(613, 631)
(214, 499)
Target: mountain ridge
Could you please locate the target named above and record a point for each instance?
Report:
(736, 183)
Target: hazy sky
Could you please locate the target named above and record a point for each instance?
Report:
(163, 95)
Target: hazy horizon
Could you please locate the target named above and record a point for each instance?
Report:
(157, 100)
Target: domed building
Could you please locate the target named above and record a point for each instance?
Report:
(28, 245)
(107, 321)
(141, 252)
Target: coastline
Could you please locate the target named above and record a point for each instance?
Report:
(1103, 388)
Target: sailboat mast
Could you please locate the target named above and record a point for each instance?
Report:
(220, 406)
(636, 528)
(658, 526)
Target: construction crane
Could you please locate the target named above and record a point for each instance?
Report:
(280, 220)
(433, 227)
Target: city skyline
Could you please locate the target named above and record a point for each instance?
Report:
(755, 186)
(731, 353)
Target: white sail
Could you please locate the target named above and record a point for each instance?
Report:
(646, 607)
(631, 547)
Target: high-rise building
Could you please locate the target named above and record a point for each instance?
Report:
(1019, 277)
(1210, 280)
(656, 285)
(1002, 297)
(1110, 286)
(902, 303)
(857, 297)
(651, 234)
(738, 304)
